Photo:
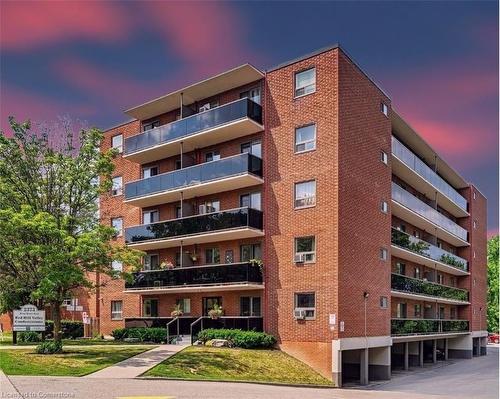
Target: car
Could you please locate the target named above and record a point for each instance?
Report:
(493, 338)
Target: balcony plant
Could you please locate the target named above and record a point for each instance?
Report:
(215, 312)
(166, 265)
(177, 312)
(450, 260)
(258, 262)
(419, 247)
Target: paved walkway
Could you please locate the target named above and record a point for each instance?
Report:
(139, 364)
(7, 390)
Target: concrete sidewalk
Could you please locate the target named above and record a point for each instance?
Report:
(7, 390)
(139, 364)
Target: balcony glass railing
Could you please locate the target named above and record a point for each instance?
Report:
(426, 249)
(243, 108)
(210, 275)
(422, 287)
(427, 326)
(198, 224)
(421, 208)
(193, 175)
(417, 165)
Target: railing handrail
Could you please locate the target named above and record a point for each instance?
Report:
(193, 267)
(167, 326)
(416, 319)
(429, 282)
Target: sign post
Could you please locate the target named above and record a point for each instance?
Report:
(28, 318)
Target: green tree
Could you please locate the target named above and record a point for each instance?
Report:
(52, 241)
(493, 285)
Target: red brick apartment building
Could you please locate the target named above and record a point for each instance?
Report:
(303, 204)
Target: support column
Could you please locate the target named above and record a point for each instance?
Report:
(363, 366)
(446, 349)
(434, 351)
(421, 353)
(336, 365)
(406, 356)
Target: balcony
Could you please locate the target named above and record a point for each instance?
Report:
(223, 277)
(408, 287)
(408, 207)
(232, 173)
(237, 119)
(405, 327)
(421, 252)
(232, 224)
(413, 170)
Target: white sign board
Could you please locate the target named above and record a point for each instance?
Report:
(332, 319)
(29, 318)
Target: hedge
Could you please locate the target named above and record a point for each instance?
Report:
(29, 336)
(143, 334)
(70, 329)
(238, 338)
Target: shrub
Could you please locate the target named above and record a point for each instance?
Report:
(143, 334)
(29, 336)
(49, 347)
(239, 338)
(70, 329)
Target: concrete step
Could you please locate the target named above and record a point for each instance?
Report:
(183, 340)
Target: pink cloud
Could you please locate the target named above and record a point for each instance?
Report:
(28, 24)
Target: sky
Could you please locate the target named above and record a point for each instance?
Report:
(437, 60)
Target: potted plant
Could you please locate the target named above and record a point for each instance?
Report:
(177, 312)
(257, 262)
(215, 312)
(166, 265)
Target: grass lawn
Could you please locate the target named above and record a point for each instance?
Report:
(72, 362)
(207, 363)
(7, 340)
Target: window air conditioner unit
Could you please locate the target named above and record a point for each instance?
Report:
(299, 314)
(299, 258)
(205, 107)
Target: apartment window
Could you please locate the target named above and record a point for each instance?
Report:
(184, 304)
(417, 310)
(151, 262)
(178, 211)
(117, 142)
(151, 125)
(252, 94)
(178, 164)
(383, 302)
(150, 308)
(305, 194)
(253, 147)
(252, 200)
(383, 157)
(249, 252)
(149, 171)
(401, 311)
(305, 82)
(417, 272)
(305, 138)
(453, 281)
(229, 256)
(149, 217)
(212, 156)
(212, 256)
(250, 306)
(209, 302)
(117, 224)
(177, 259)
(453, 313)
(384, 109)
(117, 188)
(116, 310)
(401, 227)
(442, 313)
(383, 254)
(400, 268)
(209, 207)
(440, 278)
(305, 302)
(305, 249)
(384, 207)
(117, 266)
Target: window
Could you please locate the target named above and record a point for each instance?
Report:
(229, 256)
(177, 259)
(307, 303)
(416, 272)
(254, 147)
(151, 125)
(383, 254)
(212, 156)
(117, 142)
(440, 278)
(383, 302)
(252, 94)
(149, 171)
(384, 207)
(150, 308)
(383, 157)
(67, 301)
(252, 200)
(212, 256)
(178, 164)
(178, 211)
(250, 306)
(305, 82)
(249, 252)
(305, 138)
(116, 310)
(384, 109)
(117, 266)
(441, 312)
(117, 188)
(117, 224)
(401, 311)
(417, 310)
(209, 302)
(305, 250)
(149, 217)
(184, 304)
(305, 194)
(151, 262)
(400, 268)
(453, 281)
(209, 207)
(401, 227)
(453, 313)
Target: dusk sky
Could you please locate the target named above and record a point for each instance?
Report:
(438, 61)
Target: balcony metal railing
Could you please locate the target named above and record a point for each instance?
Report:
(193, 175)
(421, 208)
(197, 224)
(418, 166)
(209, 275)
(427, 326)
(243, 108)
(426, 249)
(417, 286)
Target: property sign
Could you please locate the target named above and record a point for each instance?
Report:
(29, 318)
